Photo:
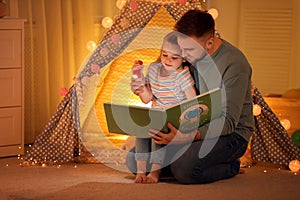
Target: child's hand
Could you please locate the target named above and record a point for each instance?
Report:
(137, 69)
(137, 85)
(138, 80)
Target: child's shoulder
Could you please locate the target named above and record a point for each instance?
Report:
(183, 69)
(155, 65)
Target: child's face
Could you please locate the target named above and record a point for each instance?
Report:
(170, 61)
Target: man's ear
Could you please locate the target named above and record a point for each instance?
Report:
(210, 42)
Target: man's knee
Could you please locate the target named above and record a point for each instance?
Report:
(181, 172)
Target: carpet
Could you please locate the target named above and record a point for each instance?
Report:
(98, 181)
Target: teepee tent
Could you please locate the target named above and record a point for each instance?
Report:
(270, 141)
(78, 127)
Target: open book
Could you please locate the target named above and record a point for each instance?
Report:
(186, 116)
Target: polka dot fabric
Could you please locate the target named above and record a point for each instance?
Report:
(270, 141)
(59, 140)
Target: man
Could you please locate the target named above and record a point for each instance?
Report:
(217, 146)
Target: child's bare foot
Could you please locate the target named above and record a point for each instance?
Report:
(140, 178)
(153, 177)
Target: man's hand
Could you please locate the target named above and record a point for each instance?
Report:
(173, 137)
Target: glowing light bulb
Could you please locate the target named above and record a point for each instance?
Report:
(286, 124)
(182, 2)
(107, 22)
(95, 68)
(115, 38)
(125, 23)
(63, 91)
(294, 165)
(120, 3)
(214, 13)
(256, 110)
(91, 45)
(133, 6)
(104, 52)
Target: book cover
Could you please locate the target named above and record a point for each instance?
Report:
(186, 116)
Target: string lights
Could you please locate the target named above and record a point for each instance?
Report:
(294, 166)
(107, 21)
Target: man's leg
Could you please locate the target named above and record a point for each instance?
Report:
(220, 162)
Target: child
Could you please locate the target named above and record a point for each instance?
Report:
(168, 82)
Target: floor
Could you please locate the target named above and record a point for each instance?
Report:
(99, 181)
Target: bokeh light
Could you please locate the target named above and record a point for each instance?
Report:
(214, 13)
(294, 165)
(107, 22)
(286, 124)
(91, 45)
(256, 110)
(120, 3)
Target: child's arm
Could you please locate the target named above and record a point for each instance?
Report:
(190, 92)
(138, 85)
(187, 83)
(145, 94)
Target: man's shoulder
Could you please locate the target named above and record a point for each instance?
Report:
(231, 51)
(229, 46)
(231, 57)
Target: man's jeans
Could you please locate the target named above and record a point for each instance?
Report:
(218, 159)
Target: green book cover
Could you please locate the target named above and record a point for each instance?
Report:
(186, 116)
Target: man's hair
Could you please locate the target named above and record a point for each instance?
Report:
(196, 23)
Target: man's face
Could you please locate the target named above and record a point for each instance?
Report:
(192, 49)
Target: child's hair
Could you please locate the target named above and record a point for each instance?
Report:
(171, 39)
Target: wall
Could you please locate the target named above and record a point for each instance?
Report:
(228, 25)
(297, 43)
(13, 7)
